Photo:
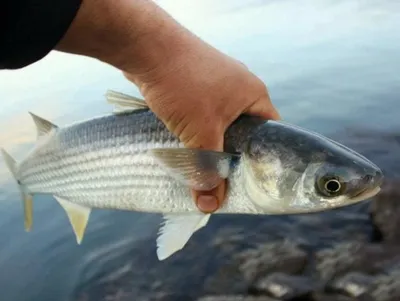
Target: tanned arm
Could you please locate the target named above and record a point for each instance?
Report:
(195, 89)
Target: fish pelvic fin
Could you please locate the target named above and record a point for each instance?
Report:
(123, 102)
(43, 126)
(78, 217)
(27, 202)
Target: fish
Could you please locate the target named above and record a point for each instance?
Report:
(128, 160)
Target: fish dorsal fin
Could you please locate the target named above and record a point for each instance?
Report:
(199, 169)
(123, 102)
(43, 126)
(177, 230)
(78, 216)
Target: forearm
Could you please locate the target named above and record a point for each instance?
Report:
(129, 34)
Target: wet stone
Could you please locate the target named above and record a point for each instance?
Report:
(285, 287)
(339, 258)
(332, 297)
(160, 296)
(347, 257)
(284, 257)
(236, 298)
(386, 287)
(352, 284)
(385, 213)
(392, 265)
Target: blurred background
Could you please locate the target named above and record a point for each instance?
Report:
(330, 66)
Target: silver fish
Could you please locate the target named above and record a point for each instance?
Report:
(128, 160)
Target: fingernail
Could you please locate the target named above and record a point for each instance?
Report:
(207, 203)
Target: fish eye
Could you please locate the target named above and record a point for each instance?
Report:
(330, 186)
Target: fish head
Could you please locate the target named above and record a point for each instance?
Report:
(291, 170)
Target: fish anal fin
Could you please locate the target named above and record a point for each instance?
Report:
(78, 216)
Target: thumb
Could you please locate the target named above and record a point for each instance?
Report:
(210, 201)
(264, 109)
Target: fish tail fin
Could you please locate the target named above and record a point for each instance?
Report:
(26, 197)
(10, 162)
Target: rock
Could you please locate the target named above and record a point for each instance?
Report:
(235, 298)
(227, 279)
(284, 287)
(391, 264)
(339, 259)
(385, 213)
(380, 287)
(353, 257)
(386, 287)
(330, 297)
(284, 257)
(352, 284)
(160, 296)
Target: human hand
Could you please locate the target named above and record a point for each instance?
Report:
(198, 94)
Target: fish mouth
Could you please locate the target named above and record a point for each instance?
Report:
(374, 182)
(366, 194)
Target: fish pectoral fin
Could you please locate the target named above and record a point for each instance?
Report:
(123, 102)
(78, 216)
(43, 126)
(177, 230)
(197, 168)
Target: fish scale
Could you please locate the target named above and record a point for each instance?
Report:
(115, 171)
(131, 161)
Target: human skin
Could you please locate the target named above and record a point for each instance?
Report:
(196, 90)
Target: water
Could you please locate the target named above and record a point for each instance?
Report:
(330, 66)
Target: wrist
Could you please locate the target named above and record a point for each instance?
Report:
(136, 37)
(160, 46)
